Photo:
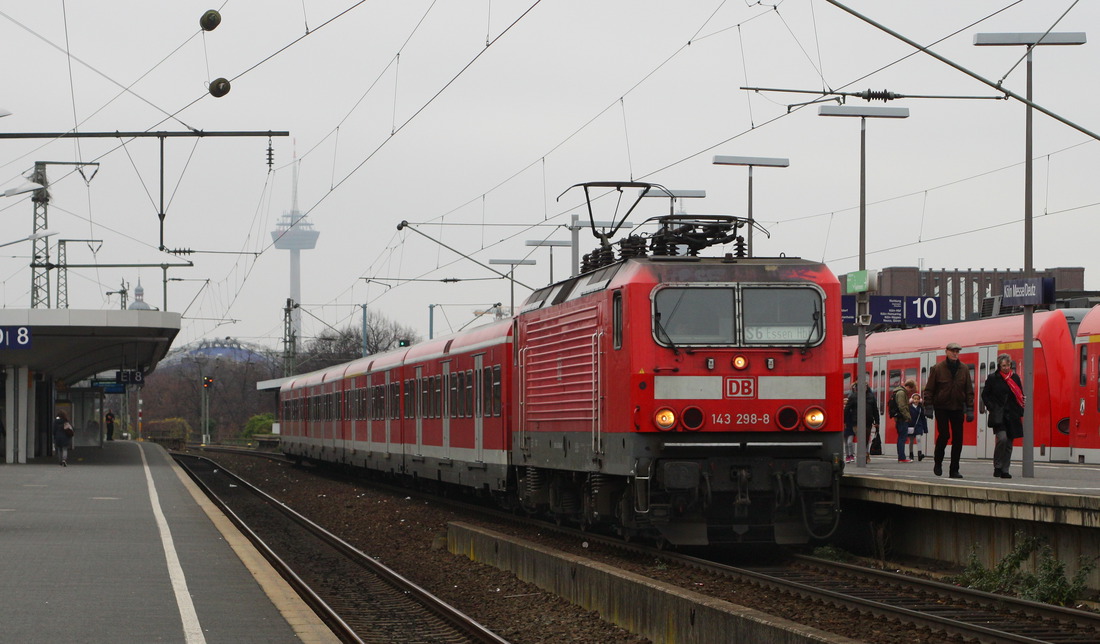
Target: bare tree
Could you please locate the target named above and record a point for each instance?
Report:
(335, 346)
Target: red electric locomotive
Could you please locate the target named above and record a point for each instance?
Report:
(663, 395)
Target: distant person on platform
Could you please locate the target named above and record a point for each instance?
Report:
(62, 437)
(1003, 396)
(918, 426)
(851, 410)
(109, 419)
(948, 398)
(904, 420)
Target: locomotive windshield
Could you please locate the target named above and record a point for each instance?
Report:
(749, 315)
(782, 315)
(695, 316)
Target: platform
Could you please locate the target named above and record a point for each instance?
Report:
(120, 546)
(905, 508)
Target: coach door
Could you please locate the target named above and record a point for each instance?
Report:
(898, 372)
(412, 406)
(986, 437)
(445, 407)
(479, 409)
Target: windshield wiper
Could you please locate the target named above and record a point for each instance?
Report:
(814, 326)
(663, 331)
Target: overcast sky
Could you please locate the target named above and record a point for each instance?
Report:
(397, 110)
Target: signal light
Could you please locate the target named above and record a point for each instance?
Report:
(207, 382)
(403, 342)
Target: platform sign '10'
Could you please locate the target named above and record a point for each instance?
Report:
(922, 310)
(15, 337)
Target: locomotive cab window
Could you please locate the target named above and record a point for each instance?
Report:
(686, 316)
(772, 315)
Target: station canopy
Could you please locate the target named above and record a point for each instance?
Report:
(69, 345)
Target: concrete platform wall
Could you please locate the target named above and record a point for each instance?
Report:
(644, 606)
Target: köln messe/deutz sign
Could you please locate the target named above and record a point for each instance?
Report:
(894, 309)
(1032, 291)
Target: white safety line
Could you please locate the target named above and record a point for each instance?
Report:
(191, 628)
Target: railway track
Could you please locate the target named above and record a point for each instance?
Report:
(358, 597)
(888, 598)
(911, 602)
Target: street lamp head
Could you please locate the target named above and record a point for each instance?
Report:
(660, 191)
(513, 262)
(768, 162)
(864, 111)
(26, 186)
(1030, 38)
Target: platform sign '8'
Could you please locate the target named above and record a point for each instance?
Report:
(15, 337)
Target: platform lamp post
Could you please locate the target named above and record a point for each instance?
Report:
(751, 162)
(512, 264)
(551, 244)
(863, 317)
(1029, 40)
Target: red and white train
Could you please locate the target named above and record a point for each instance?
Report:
(1085, 427)
(685, 399)
(1060, 433)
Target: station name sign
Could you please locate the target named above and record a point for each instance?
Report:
(1032, 291)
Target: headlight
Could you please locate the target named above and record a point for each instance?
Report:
(814, 418)
(740, 362)
(665, 419)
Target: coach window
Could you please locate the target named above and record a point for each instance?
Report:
(1084, 365)
(452, 387)
(437, 396)
(617, 319)
(410, 398)
(685, 316)
(486, 392)
(773, 315)
(496, 390)
(469, 393)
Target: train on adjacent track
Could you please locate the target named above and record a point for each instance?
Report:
(659, 394)
(1066, 426)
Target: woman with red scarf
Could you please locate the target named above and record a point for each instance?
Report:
(1003, 396)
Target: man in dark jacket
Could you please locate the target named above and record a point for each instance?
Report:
(948, 397)
(850, 412)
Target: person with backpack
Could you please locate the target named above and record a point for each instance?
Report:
(898, 408)
(62, 437)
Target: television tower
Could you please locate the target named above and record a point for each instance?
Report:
(295, 233)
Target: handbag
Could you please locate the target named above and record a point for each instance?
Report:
(995, 417)
(68, 429)
(876, 446)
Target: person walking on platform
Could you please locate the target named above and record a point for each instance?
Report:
(850, 413)
(948, 397)
(62, 437)
(1003, 396)
(899, 409)
(918, 426)
(109, 420)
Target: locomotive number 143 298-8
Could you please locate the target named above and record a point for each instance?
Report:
(740, 419)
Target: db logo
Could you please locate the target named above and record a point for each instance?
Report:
(740, 388)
